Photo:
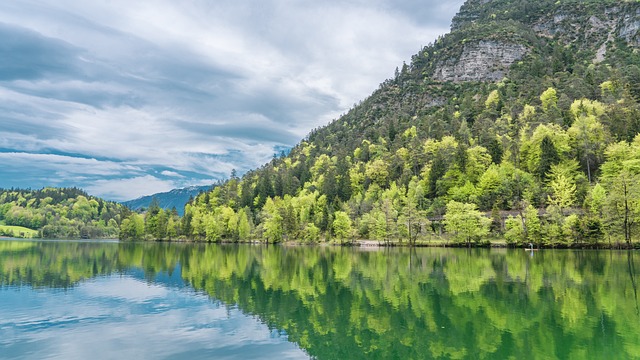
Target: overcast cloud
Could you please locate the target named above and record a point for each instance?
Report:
(126, 98)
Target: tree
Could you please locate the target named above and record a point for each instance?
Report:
(213, 229)
(244, 228)
(311, 233)
(621, 179)
(132, 228)
(572, 228)
(172, 231)
(273, 228)
(548, 157)
(341, 225)
(438, 169)
(596, 200)
(623, 202)
(413, 219)
(532, 226)
(549, 99)
(380, 229)
(587, 134)
(531, 150)
(377, 171)
(466, 222)
(564, 192)
(514, 231)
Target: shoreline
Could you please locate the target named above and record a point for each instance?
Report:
(371, 244)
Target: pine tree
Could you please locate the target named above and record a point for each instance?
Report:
(548, 156)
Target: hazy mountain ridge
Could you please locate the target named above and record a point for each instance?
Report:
(167, 200)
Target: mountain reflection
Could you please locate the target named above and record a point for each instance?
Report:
(393, 303)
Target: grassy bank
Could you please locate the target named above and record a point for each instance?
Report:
(18, 231)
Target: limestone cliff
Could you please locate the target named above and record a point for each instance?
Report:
(481, 61)
(492, 35)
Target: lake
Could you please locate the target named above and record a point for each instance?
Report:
(104, 300)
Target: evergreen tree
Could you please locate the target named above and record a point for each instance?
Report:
(548, 157)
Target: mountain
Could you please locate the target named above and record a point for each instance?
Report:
(167, 200)
(521, 123)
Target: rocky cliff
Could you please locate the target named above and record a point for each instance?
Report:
(481, 61)
(486, 55)
(630, 28)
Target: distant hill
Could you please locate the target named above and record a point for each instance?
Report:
(167, 200)
(58, 213)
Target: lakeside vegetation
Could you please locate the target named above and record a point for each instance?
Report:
(18, 232)
(63, 213)
(548, 155)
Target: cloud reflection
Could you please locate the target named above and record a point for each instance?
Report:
(123, 317)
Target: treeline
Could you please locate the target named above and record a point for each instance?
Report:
(548, 155)
(61, 213)
(154, 223)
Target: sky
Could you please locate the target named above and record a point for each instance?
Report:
(131, 98)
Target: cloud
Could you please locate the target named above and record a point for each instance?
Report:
(29, 55)
(171, 174)
(197, 88)
(125, 289)
(129, 188)
(71, 164)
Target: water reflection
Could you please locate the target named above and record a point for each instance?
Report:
(344, 303)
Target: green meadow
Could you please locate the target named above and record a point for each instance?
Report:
(18, 231)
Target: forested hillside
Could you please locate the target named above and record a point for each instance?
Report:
(58, 213)
(521, 124)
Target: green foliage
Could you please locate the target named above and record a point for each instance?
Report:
(530, 146)
(341, 225)
(466, 222)
(132, 228)
(532, 225)
(548, 157)
(18, 232)
(564, 192)
(549, 99)
(514, 230)
(60, 213)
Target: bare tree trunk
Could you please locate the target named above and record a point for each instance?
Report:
(586, 152)
(627, 229)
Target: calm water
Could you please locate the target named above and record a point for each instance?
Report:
(90, 300)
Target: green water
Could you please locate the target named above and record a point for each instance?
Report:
(119, 300)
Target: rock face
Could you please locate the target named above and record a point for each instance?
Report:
(630, 29)
(481, 61)
(594, 27)
(600, 27)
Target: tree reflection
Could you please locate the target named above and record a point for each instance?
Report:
(396, 303)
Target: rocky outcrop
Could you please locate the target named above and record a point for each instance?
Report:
(551, 26)
(599, 29)
(481, 61)
(585, 26)
(630, 29)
